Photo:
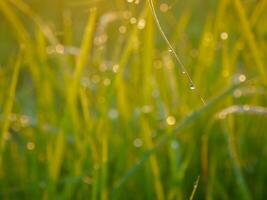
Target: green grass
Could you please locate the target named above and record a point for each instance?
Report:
(93, 105)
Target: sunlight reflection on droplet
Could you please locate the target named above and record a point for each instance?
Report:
(164, 7)
(242, 78)
(24, 120)
(137, 142)
(141, 24)
(106, 81)
(100, 40)
(224, 36)
(30, 146)
(115, 68)
(133, 20)
(122, 29)
(192, 87)
(60, 49)
(237, 93)
(171, 120)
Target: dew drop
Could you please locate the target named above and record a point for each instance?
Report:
(224, 36)
(133, 20)
(171, 120)
(122, 29)
(30, 146)
(137, 142)
(115, 68)
(192, 87)
(170, 50)
(141, 24)
(60, 49)
(106, 81)
(164, 7)
(237, 93)
(24, 120)
(242, 78)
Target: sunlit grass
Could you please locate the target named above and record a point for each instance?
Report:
(133, 99)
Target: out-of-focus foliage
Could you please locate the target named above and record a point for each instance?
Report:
(94, 106)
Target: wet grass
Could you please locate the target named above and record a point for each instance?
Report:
(133, 100)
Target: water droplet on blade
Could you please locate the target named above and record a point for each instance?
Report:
(192, 87)
(171, 120)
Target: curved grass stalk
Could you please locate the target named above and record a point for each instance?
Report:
(172, 50)
(181, 126)
(194, 189)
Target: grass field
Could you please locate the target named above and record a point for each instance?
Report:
(136, 99)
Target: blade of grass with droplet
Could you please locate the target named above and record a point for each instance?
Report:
(194, 189)
(182, 67)
(181, 126)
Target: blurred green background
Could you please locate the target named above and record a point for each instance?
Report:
(94, 105)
